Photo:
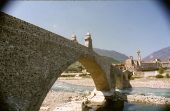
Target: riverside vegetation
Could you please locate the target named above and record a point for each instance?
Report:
(161, 71)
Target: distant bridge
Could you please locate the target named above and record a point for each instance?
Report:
(32, 58)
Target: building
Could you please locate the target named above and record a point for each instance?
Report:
(166, 64)
(130, 64)
(138, 65)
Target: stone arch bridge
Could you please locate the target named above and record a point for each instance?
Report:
(32, 58)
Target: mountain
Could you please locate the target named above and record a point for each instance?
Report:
(163, 55)
(110, 53)
(111, 60)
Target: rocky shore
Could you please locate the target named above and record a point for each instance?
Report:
(153, 100)
(72, 101)
(151, 83)
(55, 100)
(140, 98)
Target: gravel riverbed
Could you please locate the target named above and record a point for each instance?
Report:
(58, 98)
(71, 101)
(55, 100)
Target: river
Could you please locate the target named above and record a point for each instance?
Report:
(58, 86)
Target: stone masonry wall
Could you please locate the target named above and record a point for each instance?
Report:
(31, 60)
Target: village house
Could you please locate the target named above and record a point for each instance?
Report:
(138, 65)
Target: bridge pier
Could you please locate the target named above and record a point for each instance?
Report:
(99, 96)
(96, 99)
(103, 101)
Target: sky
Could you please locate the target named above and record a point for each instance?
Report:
(122, 26)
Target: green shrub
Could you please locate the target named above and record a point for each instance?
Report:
(161, 70)
(136, 77)
(75, 68)
(132, 78)
(159, 76)
(87, 76)
(68, 75)
(167, 75)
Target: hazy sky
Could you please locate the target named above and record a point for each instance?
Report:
(122, 26)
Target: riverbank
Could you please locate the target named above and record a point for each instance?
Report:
(143, 99)
(55, 100)
(71, 101)
(151, 82)
(78, 81)
(66, 101)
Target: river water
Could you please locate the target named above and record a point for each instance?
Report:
(147, 91)
(58, 86)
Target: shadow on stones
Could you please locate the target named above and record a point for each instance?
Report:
(109, 105)
(4, 106)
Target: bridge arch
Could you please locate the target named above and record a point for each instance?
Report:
(33, 58)
(97, 73)
(98, 76)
